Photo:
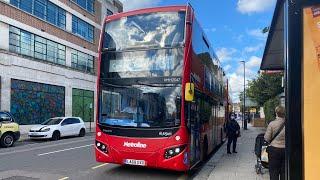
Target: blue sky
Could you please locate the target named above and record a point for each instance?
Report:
(233, 28)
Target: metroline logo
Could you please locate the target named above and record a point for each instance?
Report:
(135, 145)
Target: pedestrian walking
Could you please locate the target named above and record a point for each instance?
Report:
(233, 132)
(275, 136)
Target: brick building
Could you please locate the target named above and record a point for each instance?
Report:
(48, 54)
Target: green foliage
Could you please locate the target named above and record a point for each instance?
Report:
(264, 87)
(269, 108)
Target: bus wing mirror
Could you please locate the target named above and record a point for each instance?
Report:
(189, 92)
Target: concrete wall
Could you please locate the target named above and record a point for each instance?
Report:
(17, 67)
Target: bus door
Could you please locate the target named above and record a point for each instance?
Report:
(194, 116)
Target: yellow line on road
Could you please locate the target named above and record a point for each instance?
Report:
(100, 165)
(64, 178)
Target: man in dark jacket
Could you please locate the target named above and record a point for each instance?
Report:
(233, 132)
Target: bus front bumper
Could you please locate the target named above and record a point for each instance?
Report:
(152, 160)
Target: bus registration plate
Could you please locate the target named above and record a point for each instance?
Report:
(135, 162)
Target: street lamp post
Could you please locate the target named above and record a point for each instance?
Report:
(244, 120)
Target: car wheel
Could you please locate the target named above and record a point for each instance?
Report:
(82, 133)
(7, 140)
(56, 135)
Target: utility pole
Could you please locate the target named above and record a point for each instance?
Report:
(244, 120)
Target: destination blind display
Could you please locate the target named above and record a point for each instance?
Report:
(159, 63)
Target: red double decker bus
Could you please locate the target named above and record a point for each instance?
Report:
(161, 100)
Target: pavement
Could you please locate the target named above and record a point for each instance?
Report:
(240, 166)
(73, 158)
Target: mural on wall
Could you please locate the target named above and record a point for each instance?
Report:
(82, 104)
(33, 103)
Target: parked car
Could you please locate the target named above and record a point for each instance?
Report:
(9, 129)
(55, 128)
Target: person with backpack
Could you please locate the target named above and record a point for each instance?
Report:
(275, 136)
(233, 132)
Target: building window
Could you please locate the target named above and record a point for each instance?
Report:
(40, 48)
(44, 10)
(82, 61)
(26, 6)
(109, 12)
(25, 43)
(56, 15)
(82, 28)
(40, 8)
(86, 4)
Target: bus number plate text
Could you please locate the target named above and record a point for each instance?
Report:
(135, 162)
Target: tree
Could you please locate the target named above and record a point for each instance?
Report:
(269, 108)
(264, 87)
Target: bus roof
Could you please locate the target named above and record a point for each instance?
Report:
(145, 10)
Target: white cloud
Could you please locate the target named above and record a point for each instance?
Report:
(254, 6)
(236, 85)
(236, 77)
(225, 54)
(210, 29)
(137, 4)
(253, 62)
(257, 33)
(239, 38)
(251, 49)
(227, 67)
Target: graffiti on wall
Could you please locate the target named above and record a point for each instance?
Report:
(33, 103)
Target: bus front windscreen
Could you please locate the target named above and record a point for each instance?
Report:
(141, 106)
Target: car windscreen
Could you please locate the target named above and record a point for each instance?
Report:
(52, 121)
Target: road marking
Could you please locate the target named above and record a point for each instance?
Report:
(64, 178)
(62, 150)
(100, 165)
(43, 147)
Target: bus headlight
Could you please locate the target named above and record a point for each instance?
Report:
(102, 147)
(171, 152)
